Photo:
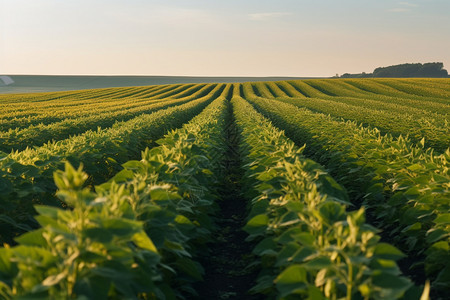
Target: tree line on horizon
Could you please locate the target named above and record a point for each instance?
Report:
(434, 69)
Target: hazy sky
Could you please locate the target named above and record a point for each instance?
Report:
(214, 38)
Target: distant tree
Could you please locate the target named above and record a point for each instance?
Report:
(435, 69)
(412, 70)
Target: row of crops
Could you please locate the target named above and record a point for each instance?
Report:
(112, 193)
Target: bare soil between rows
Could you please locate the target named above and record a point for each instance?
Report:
(227, 271)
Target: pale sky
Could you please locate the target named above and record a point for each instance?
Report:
(220, 38)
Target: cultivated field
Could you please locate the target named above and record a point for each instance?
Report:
(59, 83)
(302, 189)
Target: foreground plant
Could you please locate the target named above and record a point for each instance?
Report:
(97, 249)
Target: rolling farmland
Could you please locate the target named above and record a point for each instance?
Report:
(297, 189)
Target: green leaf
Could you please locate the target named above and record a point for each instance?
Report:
(315, 293)
(303, 253)
(364, 289)
(176, 248)
(158, 193)
(387, 251)
(266, 246)
(207, 172)
(305, 238)
(47, 211)
(142, 240)
(318, 263)
(289, 235)
(267, 175)
(123, 176)
(442, 246)
(295, 206)
(386, 264)
(257, 225)
(387, 280)
(414, 227)
(51, 222)
(32, 238)
(122, 227)
(442, 219)
(292, 280)
(435, 235)
(35, 255)
(332, 212)
(191, 268)
(99, 235)
(415, 167)
(286, 253)
(132, 165)
(110, 159)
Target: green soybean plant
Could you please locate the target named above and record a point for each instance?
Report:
(309, 245)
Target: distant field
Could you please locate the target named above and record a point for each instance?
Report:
(289, 189)
(37, 83)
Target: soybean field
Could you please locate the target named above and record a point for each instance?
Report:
(299, 189)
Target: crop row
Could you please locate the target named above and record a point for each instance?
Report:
(49, 115)
(25, 102)
(416, 126)
(26, 176)
(392, 119)
(369, 100)
(341, 90)
(309, 246)
(36, 135)
(70, 97)
(137, 235)
(83, 101)
(300, 89)
(325, 89)
(72, 106)
(404, 185)
(424, 87)
(409, 88)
